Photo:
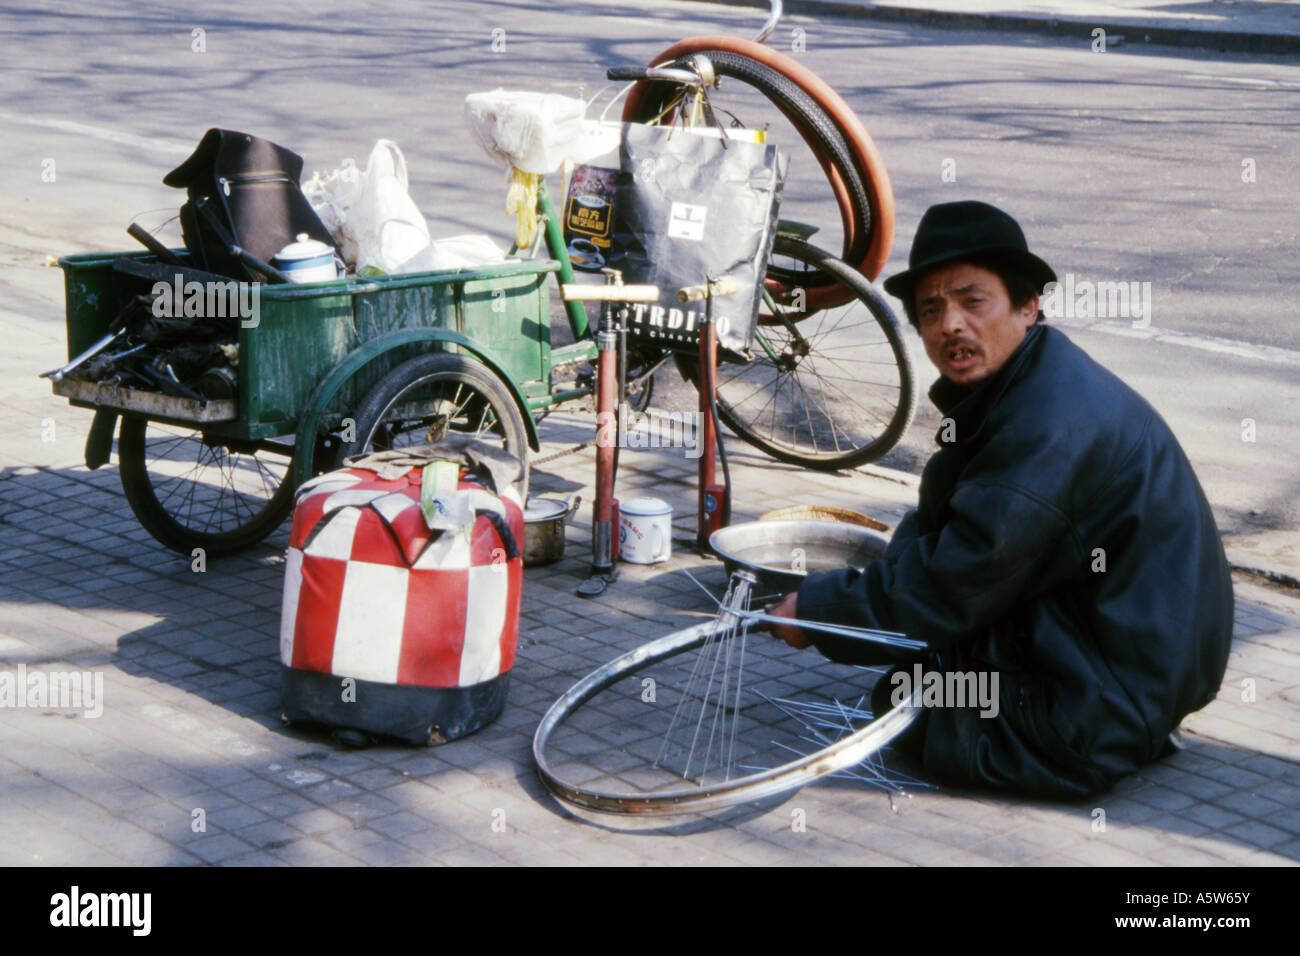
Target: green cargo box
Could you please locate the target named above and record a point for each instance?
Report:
(299, 333)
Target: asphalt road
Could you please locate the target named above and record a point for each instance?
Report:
(1122, 166)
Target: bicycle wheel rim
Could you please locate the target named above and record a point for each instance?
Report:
(847, 401)
(844, 753)
(191, 491)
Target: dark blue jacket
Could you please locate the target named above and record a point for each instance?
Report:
(1063, 541)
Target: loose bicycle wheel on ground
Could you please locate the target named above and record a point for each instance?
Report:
(711, 717)
(190, 490)
(426, 397)
(826, 388)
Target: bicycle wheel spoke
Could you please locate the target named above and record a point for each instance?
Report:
(213, 492)
(814, 393)
(227, 482)
(830, 419)
(593, 744)
(848, 397)
(269, 486)
(193, 485)
(772, 396)
(807, 403)
(182, 482)
(837, 362)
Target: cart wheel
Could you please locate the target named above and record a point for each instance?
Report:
(190, 490)
(827, 388)
(640, 361)
(424, 398)
(638, 398)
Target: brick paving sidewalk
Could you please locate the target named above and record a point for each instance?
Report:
(190, 726)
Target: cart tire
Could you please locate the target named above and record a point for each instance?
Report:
(460, 385)
(639, 361)
(841, 398)
(192, 492)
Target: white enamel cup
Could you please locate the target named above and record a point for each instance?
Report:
(645, 530)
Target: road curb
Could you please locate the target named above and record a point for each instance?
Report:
(1133, 31)
(1285, 575)
(1268, 574)
(1279, 574)
(890, 474)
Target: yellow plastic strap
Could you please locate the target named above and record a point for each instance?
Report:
(521, 200)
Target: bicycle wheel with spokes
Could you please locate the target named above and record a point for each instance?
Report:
(695, 722)
(430, 396)
(825, 388)
(194, 490)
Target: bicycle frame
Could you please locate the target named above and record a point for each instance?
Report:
(583, 348)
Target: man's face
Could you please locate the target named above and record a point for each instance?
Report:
(967, 323)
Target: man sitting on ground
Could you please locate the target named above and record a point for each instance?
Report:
(1061, 541)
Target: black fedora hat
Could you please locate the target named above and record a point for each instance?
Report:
(956, 230)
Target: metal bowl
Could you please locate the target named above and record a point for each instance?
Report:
(544, 521)
(781, 553)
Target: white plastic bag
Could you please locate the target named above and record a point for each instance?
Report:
(456, 252)
(370, 213)
(537, 132)
(331, 195)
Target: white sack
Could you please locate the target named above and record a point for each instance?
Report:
(537, 132)
(370, 213)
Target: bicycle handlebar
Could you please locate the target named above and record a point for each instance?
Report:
(702, 75)
(772, 20)
(670, 74)
(710, 290)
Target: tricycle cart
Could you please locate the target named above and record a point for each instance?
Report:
(340, 361)
(332, 369)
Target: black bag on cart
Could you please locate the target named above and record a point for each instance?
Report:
(691, 205)
(249, 187)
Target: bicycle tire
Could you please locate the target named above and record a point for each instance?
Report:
(870, 162)
(838, 756)
(818, 131)
(808, 404)
(192, 491)
(867, 162)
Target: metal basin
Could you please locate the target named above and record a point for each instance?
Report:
(781, 553)
(544, 521)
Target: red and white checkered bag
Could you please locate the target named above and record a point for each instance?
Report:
(372, 594)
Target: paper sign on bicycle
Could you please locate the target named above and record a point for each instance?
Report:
(589, 215)
(692, 204)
